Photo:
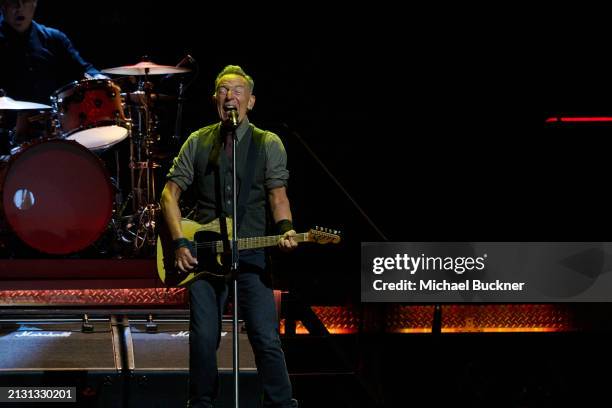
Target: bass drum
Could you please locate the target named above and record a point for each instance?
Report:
(56, 196)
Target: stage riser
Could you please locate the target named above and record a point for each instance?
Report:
(120, 363)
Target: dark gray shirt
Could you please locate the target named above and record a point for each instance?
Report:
(275, 173)
(203, 165)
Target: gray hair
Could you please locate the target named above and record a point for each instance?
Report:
(235, 70)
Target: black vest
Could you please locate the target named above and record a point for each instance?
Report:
(213, 180)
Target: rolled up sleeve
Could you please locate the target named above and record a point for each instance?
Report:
(276, 174)
(182, 170)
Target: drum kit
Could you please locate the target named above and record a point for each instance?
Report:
(57, 194)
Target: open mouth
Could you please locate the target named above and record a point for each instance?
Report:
(20, 18)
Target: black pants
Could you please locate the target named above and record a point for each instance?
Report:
(257, 308)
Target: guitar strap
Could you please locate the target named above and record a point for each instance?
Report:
(255, 145)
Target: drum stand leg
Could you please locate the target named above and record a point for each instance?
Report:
(146, 203)
(142, 170)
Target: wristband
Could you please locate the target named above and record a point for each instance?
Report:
(181, 243)
(283, 226)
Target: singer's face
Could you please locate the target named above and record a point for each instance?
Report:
(233, 91)
(19, 13)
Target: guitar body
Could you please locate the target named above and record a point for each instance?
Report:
(213, 253)
(210, 262)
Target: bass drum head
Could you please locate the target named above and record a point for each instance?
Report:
(98, 139)
(57, 196)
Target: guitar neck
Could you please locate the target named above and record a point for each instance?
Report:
(261, 242)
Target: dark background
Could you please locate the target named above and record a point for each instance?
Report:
(432, 118)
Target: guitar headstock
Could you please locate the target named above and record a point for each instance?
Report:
(322, 235)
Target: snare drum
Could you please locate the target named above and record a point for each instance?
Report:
(91, 113)
(56, 196)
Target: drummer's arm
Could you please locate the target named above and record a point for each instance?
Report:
(172, 216)
(72, 61)
(95, 76)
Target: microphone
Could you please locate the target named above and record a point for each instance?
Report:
(232, 113)
(186, 59)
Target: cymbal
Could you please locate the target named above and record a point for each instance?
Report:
(7, 103)
(146, 68)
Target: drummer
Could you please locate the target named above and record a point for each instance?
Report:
(36, 60)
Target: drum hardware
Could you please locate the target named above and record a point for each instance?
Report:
(140, 227)
(139, 97)
(85, 117)
(142, 170)
(47, 201)
(145, 68)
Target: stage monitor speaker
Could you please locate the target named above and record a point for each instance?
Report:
(158, 360)
(57, 352)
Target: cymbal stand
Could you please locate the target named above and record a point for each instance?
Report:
(142, 172)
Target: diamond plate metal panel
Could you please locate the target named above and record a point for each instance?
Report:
(95, 297)
(336, 319)
(482, 318)
(409, 319)
(507, 318)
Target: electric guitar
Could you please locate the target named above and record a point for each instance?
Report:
(212, 255)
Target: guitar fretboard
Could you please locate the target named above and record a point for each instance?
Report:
(261, 242)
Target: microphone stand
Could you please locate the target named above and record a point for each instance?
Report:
(234, 268)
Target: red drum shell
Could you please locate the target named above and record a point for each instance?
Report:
(91, 112)
(56, 196)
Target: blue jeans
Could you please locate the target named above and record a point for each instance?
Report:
(257, 308)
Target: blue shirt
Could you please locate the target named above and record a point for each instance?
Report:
(36, 63)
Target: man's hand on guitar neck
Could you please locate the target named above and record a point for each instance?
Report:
(287, 243)
(184, 261)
